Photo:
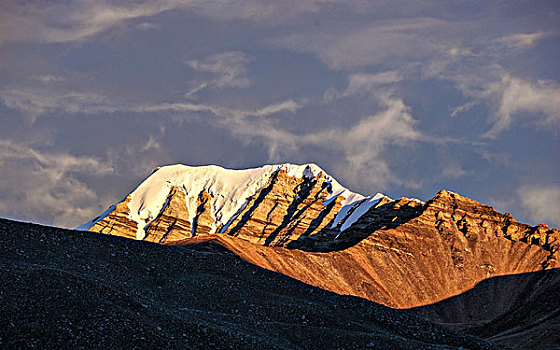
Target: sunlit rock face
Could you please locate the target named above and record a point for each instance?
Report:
(272, 205)
(172, 223)
(117, 222)
(299, 221)
(287, 208)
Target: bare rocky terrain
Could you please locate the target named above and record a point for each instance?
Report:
(71, 289)
(519, 311)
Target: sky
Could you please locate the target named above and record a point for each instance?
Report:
(399, 97)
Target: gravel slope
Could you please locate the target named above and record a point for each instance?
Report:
(70, 289)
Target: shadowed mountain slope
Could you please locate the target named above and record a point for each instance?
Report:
(520, 311)
(69, 289)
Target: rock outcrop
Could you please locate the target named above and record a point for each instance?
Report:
(203, 219)
(172, 223)
(286, 209)
(117, 222)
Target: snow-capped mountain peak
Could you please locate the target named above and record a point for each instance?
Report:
(229, 191)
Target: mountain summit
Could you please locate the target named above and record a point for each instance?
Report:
(286, 200)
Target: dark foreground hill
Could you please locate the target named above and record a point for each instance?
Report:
(69, 289)
(519, 311)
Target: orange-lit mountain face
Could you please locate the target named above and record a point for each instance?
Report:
(402, 253)
(300, 222)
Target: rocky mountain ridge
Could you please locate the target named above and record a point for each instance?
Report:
(281, 202)
(298, 207)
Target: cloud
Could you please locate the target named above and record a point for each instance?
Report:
(453, 171)
(136, 159)
(542, 203)
(362, 145)
(463, 108)
(522, 40)
(522, 99)
(61, 22)
(146, 26)
(508, 98)
(35, 102)
(289, 106)
(152, 143)
(48, 78)
(247, 125)
(227, 69)
(459, 52)
(65, 22)
(179, 107)
(363, 84)
(45, 184)
(269, 11)
(388, 42)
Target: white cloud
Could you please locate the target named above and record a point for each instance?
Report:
(522, 99)
(227, 69)
(453, 171)
(289, 106)
(463, 108)
(136, 159)
(362, 144)
(247, 125)
(383, 42)
(363, 81)
(65, 22)
(459, 52)
(266, 11)
(60, 22)
(146, 26)
(35, 102)
(508, 98)
(152, 143)
(45, 184)
(48, 78)
(364, 84)
(179, 107)
(542, 203)
(522, 40)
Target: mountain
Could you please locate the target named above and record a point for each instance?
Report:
(299, 221)
(178, 201)
(62, 289)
